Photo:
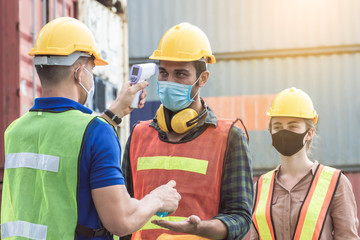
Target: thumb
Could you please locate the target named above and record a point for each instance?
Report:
(171, 183)
(139, 86)
(194, 220)
(127, 84)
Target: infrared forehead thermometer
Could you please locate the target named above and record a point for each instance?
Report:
(139, 73)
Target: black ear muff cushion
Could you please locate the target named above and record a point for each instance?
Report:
(178, 122)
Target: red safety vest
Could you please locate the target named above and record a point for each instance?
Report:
(312, 213)
(196, 166)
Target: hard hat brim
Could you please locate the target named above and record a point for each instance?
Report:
(100, 62)
(210, 59)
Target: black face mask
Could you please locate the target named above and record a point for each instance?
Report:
(287, 142)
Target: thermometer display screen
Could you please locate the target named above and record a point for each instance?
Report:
(135, 71)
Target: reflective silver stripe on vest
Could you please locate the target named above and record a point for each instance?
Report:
(32, 160)
(23, 229)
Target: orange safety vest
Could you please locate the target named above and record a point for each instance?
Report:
(312, 213)
(196, 166)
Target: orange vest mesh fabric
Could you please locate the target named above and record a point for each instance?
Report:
(200, 193)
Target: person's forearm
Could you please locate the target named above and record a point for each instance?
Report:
(213, 229)
(142, 211)
(135, 213)
(121, 214)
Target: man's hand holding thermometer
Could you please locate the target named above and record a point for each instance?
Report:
(139, 73)
(131, 95)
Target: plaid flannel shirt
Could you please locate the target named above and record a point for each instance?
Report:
(236, 198)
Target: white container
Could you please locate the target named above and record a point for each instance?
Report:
(110, 32)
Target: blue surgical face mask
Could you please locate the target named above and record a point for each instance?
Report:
(89, 93)
(175, 96)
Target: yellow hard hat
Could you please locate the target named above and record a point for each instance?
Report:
(184, 43)
(64, 36)
(293, 102)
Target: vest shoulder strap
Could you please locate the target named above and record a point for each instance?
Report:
(261, 217)
(317, 202)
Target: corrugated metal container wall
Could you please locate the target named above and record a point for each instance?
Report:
(242, 25)
(263, 47)
(9, 74)
(33, 15)
(246, 88)
(110, 32)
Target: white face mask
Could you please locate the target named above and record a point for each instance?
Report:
(89, 93)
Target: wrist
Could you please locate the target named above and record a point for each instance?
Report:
(113, 116)
(155, 201)
(213, 228)
(118, 113)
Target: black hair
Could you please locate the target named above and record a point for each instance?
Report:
(200, 67)
(52, 74)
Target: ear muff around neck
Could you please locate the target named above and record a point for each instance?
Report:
(179, 122)
(161, 116)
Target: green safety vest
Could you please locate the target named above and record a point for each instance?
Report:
(41, 177)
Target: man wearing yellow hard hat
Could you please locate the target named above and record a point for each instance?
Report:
(301, 199)
(207, 156)
(62, 177)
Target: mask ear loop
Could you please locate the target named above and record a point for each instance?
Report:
(87, 91)
(305, 133)
(197, 92)
(75, 73)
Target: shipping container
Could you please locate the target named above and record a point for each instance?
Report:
(261, 48)
(109, 27)
(20, 22)
(9, 74)
(246, 89)
(242, 26)
(244, 82)
(33, 15)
